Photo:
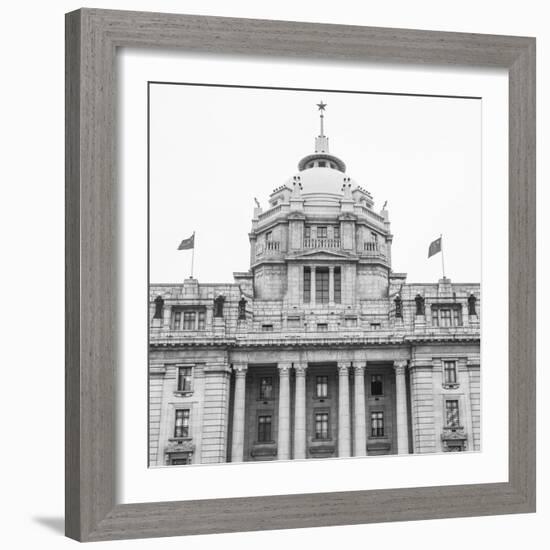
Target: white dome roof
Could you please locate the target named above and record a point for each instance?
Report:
(320, 180)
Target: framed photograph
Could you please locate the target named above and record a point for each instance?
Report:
(300, 275)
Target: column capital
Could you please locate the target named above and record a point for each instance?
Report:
(400, 366)
(284, 368)
(240, 369)
(343, 367)
(359, 367)
(300, 369)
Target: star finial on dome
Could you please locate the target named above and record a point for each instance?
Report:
(321, 106)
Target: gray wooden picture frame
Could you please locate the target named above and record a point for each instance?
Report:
(92, 39)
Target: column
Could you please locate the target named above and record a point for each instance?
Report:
(300, 411)
(237, 446)
(312, 285)
(343, 409)
(360, 428)
(331, 284)
(401, 407)
(283, 437)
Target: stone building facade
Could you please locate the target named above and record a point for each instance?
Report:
(320, 349)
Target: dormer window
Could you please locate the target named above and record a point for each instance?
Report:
(322, 164)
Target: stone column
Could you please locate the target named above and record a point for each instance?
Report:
(312, 285)
(283, 438)
(360, 428)
(237, 446)
(300, 411)
(343, 409)
(331, 285)
(401, 407)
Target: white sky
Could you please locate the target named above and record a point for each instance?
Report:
(212, 150)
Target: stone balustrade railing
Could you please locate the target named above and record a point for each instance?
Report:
(322, 243)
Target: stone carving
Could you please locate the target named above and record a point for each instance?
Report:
(242, 309)
(159, 306)
(472, 305)
(398, 307)
(420, 309)
(218, 306)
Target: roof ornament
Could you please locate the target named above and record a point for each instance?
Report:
(296, 186)
(321, 106)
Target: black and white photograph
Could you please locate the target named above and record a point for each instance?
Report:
(314, 274)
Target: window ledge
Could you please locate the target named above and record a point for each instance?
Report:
(179, 439)
(451, 386)
(183, 393)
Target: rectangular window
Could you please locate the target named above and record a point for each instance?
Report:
(447, 316)
(377, 424)
(307, 284)
(266, 387)
(449, 368)
(176, 320)
(350, 322)
(189, 320)
(321, 425)
(185, 377)
(321, 384)
(322, 232)
(307, 232)
(321, 285)
(336, 232)
(451, 409)
(337, 285)
(202, 320)
(293, 322)
(264, 428)
(321, 164)
(269, 236)
(267, 328)
(180, 461)
(376, 384)
(322, 327)
(375, 326)
(182, 423)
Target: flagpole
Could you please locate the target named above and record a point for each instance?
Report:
(193, 255)
(442, 256)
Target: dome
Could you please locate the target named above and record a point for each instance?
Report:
(320, 180)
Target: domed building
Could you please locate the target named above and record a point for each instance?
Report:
(320, 349)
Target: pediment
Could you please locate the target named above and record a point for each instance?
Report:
(322, 255)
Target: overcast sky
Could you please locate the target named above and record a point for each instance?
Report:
(212, 150)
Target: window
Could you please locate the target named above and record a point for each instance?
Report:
(449, 369)
(307, 232)
(181, 460)
(322, 232)
(321, 425)
(376, 384)
(375, 326)
(189, 320)
(447, 316)
(293, 322)
(337, 285)
(336, 232)
(321, 285)
(322, 164)
(269, 236)
(377, 424)
(322, 327)
(185, 377)
(182, 423)
(321, 385)
(267, 328)
(451, 410)
(266, 387)
(264, 428)
(202, 320)
(307, 284)
(350, 322)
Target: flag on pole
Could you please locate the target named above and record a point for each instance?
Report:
(435, 247)
(187, 244)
